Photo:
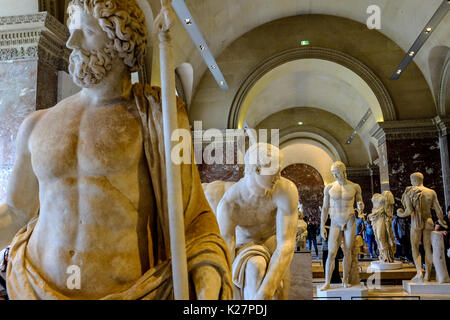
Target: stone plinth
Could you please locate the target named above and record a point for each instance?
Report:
(301, 276)
(378, 265)
(426, 287)
(337, 291)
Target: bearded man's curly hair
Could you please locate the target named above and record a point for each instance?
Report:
(124, 23)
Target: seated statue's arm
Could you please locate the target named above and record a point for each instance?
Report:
(437, 208)
(227, 223)
(324, 213)
(22, 199)
(286, 222)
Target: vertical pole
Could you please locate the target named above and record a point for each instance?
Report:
(173, 172)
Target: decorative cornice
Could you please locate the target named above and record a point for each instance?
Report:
(405, 129)
(362, 171)
(34, 36)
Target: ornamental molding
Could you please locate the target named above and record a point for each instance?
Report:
(443, 125)
(34, 36)
(362, 171)
(405, 129)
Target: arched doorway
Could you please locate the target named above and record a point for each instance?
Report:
(310, 185)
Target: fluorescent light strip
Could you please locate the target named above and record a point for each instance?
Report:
(422, 38)
(359, 126)
(191, 27)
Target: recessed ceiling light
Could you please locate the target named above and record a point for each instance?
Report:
(428, 30)
(188, 21)
(202, 47)
(213, 67)
(222, 83)
(399, 71)
(411, 53)
(300, 123)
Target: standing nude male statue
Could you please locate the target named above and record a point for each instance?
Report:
(89, 181)
(258, 219)
(338, 202)
(418, 201)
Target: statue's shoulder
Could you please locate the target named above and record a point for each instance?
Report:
(287, 184)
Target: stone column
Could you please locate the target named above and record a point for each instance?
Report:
(32, 51)
(443, 126)
(407, 147)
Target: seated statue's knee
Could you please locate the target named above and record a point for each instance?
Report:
(257, 265)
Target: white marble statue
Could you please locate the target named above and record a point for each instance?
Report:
(258, 218)
(302, 229)
(381, 218)
(339, 199)
(417, 201)
(214, 192)
(88, 186)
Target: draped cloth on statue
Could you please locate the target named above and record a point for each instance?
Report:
(244, 254)
(204, 246)
(413, 195)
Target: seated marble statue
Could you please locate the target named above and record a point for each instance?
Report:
(338, 202)
(88, 188)
(302, 229)
(258, 218)
(417, 201)
(214, 192)
(381, 218)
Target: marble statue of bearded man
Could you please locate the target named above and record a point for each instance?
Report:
(88, 190)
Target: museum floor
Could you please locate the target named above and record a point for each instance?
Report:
(391, 282)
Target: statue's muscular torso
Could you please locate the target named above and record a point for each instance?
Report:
(95, 196)
(342, 198)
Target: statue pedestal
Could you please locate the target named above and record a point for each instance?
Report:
(426, 287)
(378, 265)
(301, 287)
(337, 291)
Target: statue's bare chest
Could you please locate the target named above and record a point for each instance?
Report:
(80, 141)
(254, 212)
(346, 192)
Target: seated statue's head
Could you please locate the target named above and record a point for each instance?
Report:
(416, 179)
(102, 34)
(263, 164)
(339, 170)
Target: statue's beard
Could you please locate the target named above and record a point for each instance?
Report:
(89, 68)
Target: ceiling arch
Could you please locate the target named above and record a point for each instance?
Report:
(401, 21)
(411, 96)
(315, 71)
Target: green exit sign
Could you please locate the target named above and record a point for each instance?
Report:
(304, 43)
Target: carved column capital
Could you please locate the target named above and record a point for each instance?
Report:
(404, 129)
(442, 125)
(34, 36)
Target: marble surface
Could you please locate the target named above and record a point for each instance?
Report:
(17, 100)
(378, 265)
(301, 276)
(426, 287)
(310, 186)
(337, 291)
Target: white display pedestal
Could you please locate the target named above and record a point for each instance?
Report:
(338, 291)
(378, 265)
(426, 287)
(301, 287)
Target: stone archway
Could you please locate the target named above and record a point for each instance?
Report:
(368, 76)
(310, 186)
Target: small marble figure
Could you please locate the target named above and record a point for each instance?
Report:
(302, 229)
(417, 201)
(338, 202)
(381, 218)
(258, 218)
